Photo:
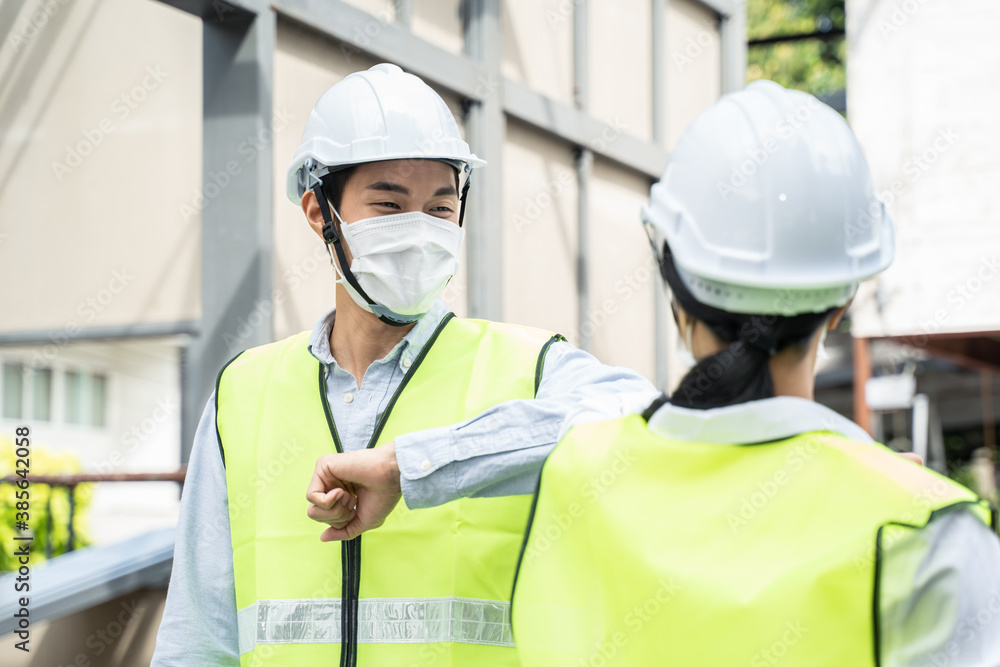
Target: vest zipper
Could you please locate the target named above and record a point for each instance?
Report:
(346, 549)
(350, 551)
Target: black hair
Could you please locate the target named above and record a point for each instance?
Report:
(334, 183)
(739, 373)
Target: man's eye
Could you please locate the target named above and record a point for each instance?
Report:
(443, 209)
(387, 203)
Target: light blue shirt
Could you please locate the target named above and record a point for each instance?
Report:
(498, 453)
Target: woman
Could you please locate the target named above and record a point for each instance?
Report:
(739, 522)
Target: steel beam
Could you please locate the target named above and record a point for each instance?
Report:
(584, 163)
(218, 10)
(379, 37)
(724, 8)
(734, 47)
(485, 127)
(404, 12)
(237, 227)
(578, 128)
(661, 318)
(64, 336)
(472, 79)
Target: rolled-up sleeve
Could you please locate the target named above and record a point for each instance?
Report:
(199, 619)
(501, 451)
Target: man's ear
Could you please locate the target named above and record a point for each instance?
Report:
(314, 216)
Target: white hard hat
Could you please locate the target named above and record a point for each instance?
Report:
(379, 114)
(767, 205)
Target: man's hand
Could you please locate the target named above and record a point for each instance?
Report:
(354, 492)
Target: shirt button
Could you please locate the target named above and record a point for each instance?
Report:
(407, 363)
(348, 397)
(426, 465)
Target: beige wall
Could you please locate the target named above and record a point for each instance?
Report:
(537, 46)
(540, 239)
(621, 71)
(439, 22)
(694, 64)
(98, 152)
(923, 102)
(622, 271)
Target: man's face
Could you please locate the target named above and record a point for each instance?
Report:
(400, 186)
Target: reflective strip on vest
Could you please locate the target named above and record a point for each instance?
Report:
(380, 621)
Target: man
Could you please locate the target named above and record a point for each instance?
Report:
(382, 177)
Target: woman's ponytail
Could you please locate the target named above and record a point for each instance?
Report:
(740, 372)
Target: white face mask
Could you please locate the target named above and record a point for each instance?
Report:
(402, 261)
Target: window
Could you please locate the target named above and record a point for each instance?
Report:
(98, 403)
(27, 393)
(86, 399)
(41, 404)
(13, 391)
(74, 397)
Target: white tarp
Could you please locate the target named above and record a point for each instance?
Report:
(923, 101)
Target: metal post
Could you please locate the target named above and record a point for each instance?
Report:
(734, 48)
(485, 128)
(48, 523)
(404, 12)
(921, 425)
(71, 537)
(584, 168)
(989, 421)
(862, 371)
(236, 225)
(662, 322)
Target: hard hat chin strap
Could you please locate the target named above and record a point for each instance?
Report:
(330, 237)
(463, 197)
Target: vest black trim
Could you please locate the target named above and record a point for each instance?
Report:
(541, 359)
(218, 381)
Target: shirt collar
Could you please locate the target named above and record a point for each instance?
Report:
(765, 420)
(412, 343)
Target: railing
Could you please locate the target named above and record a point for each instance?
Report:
(70, 482)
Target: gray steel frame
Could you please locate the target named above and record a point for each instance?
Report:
(236, 226)
(62, 336)
(239, 40)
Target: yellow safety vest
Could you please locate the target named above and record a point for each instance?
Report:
(646, 551)
(429, 587)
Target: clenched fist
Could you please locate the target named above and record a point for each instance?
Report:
(354, 491)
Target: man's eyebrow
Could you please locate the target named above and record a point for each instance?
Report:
(386, 186)
(446, 190)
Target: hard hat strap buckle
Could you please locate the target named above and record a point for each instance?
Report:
(464, 196)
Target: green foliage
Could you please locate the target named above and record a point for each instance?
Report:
(814, 65)
(770, 18)
(40, 496)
